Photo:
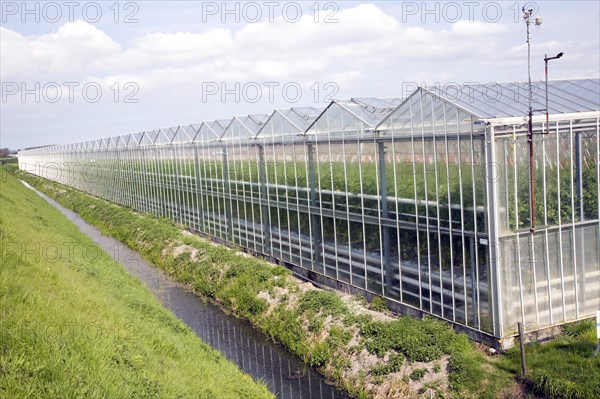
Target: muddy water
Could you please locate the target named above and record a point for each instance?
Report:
(284, 373)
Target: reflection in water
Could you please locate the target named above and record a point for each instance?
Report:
(285, 374)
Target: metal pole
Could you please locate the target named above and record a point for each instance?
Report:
(227, 194)
(387, 264)
(312, 209)
(579, 173)
(531, 172)
(527, 17)
(522, 347)
(546, 79)
(546, 59)
(264, 193)
(198, 191)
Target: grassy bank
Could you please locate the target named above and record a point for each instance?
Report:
(369, 353)
(75, 324)
(563, 367)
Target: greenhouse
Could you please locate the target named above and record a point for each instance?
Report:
(437, 202)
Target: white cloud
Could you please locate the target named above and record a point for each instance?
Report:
(74, 49)
(362, 36)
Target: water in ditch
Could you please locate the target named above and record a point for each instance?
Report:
(284, 373)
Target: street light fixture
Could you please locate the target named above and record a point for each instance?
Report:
(546, 59)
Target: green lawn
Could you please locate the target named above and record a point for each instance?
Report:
(564, 367)
(318, 327)
(75, 324)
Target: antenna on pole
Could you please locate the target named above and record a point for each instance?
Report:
(527, 14)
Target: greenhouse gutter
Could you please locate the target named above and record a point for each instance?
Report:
(517, 120)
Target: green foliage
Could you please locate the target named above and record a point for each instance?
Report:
(357, 319)
(378, 304)
(248, 304)
(580, 328)
(393, 364)
(417, 374)
(563, 367)
(551, 387)
(315, 324)
(323, 302)
(422, 342)
(339, 337)
(283, 325)
(320, 354)
(360, 299)
(465, 368)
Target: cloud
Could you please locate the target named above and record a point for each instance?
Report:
(74, 49)
(361, 37)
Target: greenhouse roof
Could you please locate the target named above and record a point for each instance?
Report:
(510, 100)
(216, 128)
(496, 103)
(371, 110)
(291, 120)
(245, 126)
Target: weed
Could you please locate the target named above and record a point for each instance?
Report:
(323, 302)
(417, 374)
(378, 304)
(393, 364)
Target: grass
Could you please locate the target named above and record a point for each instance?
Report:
(563, 367)
(316, 324)
(75, 325)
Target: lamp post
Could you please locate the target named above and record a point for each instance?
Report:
(546, 59)
(538, 21)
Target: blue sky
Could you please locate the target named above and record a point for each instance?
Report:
(81, 70)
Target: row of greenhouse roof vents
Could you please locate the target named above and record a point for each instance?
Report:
(485, 102)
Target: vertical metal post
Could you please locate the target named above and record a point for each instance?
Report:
(546, 89)
(227, 194)
(387, 264)
(264, 193)
(522, 348)
(312, 209)
(579, 177)
(197, 192)
(531, 172)
(579, 173)
(472, 261)
(492, 219)
(527, 15)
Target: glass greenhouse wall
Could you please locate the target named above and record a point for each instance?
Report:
(424, 201)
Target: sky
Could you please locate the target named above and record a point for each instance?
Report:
(76, 70)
